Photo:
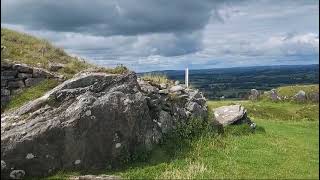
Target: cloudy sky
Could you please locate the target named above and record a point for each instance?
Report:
(148, 35)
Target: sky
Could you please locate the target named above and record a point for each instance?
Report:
(148, 35)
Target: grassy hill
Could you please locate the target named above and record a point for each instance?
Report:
(23, 48)
(284, 145)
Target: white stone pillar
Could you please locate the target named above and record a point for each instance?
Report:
(187, 77)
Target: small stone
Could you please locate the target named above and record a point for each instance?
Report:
(164, 91)
(41, 73)
(5, 92)
(24, 75)
(88, 113)
(22, 68)
(118, 145)
(163, 85)
(176, 88)
(4, 83)
(16, 84)
(30, 156)
(3, 165)
(9, 73)
(78, 161)
(33, 81)
(7, 78)
(17, 174)
(176, 83)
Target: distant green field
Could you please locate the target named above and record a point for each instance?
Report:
(285, 145)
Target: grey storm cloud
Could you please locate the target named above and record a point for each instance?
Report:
(111, 17)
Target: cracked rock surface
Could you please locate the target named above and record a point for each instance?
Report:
(90, 121)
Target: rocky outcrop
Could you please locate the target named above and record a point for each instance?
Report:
(233, 114)
(16, 77)
(92, 121)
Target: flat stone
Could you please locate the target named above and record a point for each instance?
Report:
(164, 91)
(41, 73)
(176, 88)
(5, 92)
(22, 68)
(9, 73)
(226, 115)
(16, 84)
(33, 81)
(7, 77)
(4, 83)
(24, 75)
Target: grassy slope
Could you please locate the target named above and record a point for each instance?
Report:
(23, 48)
(284, 146)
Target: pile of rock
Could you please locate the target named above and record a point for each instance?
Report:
(15, 77)
(92, 121)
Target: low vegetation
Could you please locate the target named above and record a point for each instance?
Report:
(30, 94)
(284, 145)
(23, 48)
(290, 91)
(156, 78)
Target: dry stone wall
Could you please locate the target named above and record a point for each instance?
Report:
(16, 77)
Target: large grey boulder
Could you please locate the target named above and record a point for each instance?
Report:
(88, 122)
(91, 121)
(232, 114)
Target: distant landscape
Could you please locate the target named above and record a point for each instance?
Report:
(236, 83)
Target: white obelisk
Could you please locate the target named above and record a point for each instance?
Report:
(186, 79)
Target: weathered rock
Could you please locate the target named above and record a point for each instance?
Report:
(147, 88)
(274, 95)
(90, 122)
(16, 84)
(5, 92)
(23, 68)
(4, 83)
(163, 86)
(9, 73)
(33, 81)
(227, 115)
(3, 165)
(17, 174)
(300, 96)
(24, 75)
(176, 83)
(41, 73)
(254, 94)
(55, 66)
(164, 91)
(176, 88)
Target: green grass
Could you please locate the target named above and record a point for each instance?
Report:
(290, 91)
(23, 48)
(156, 78)
(283, 146)
(30, 94)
